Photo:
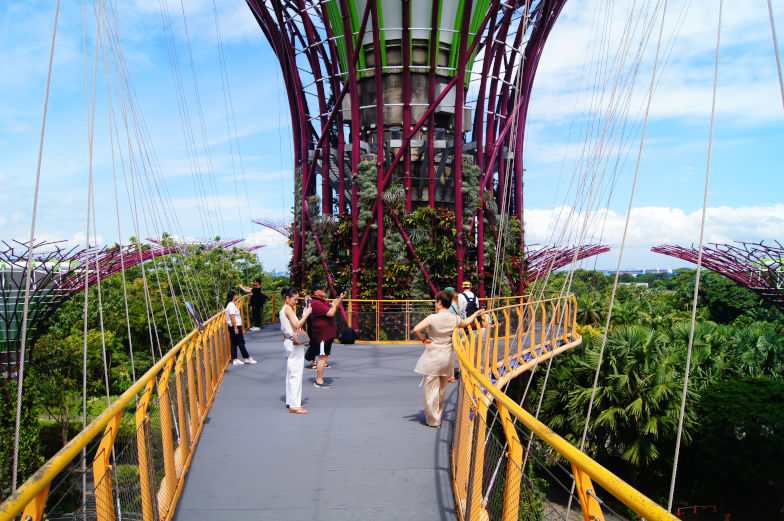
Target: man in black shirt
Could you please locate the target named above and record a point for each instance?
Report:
(257, 300)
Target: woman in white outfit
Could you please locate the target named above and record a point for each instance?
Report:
(435, 364)
(295, 352)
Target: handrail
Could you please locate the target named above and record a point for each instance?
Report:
(370, 318)
(31, 495)
(474, 348)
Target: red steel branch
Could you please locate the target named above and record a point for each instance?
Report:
(755, 265)
(505, 85)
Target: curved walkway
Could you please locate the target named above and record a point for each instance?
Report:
(363, 452)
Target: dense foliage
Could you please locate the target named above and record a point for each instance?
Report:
(431, 231)
(733, 438)
(126, 344)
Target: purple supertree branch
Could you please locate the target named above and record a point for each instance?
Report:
(550, 258)
(283, 229)
(60, 276)
(296, 36)
(757, 266)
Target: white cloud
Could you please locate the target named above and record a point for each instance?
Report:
(79, 238)
(654, 225)
(276, 254)
(266, 237)
(579, 64)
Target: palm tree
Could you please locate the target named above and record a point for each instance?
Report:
(637, 402)
(626, 313)
(590, 308)
(709, 351)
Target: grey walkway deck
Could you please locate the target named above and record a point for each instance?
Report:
(362, 452)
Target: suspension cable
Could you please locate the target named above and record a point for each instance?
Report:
(776, 49)
(28, 272)
(699, 266)
(623, 243)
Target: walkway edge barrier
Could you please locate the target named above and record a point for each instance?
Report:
(477, 384)
(33, 490)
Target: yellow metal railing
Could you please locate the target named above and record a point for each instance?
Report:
(150, 432)
(510, 341)
(384, 321)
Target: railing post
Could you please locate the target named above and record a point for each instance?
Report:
(461, 454)
(201, 373)
(192, 386)
(507, 340)
(351, 314)
(520, 310)
(514, 466)
(207, 370)
(143, 453)
(493, 329)
(592, 511)
(408, 321)
(102, 471)
(378, 326)
(168, 486)
(35, 508)
(475, 501)
(182, 450)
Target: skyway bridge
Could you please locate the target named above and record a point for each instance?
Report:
(197, 438)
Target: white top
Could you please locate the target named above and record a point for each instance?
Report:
(285, 326)
(231, 309)
(462, 302)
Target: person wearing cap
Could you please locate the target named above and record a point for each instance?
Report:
(322, 330)
(467, 302)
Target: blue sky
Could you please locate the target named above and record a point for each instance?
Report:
(747, 179)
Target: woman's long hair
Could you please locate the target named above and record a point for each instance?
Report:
(229, 298)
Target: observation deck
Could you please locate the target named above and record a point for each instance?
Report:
(362, 451)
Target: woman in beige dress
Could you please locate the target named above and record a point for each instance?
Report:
(435, 362)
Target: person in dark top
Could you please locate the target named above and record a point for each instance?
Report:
(322, 330)
(257, 301)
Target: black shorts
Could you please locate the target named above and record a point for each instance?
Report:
(314, 349)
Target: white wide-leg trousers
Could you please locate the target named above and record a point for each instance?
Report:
(294, 369)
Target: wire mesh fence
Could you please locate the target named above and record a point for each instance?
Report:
(129, 463)
(505, 464)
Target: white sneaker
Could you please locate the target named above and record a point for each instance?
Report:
(255, 329)
(237, 361)
(251, 361)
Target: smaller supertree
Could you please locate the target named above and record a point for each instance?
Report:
(276, 226)
(547, 259)
(757, 266)
(58, 273)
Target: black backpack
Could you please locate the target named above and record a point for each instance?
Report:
(348, 336)
(472, 306)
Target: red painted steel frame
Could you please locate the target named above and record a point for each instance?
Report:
(301, 34)
(757, 266)
(63, 269)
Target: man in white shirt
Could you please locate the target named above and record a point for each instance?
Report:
(466, 301)
(234, 322)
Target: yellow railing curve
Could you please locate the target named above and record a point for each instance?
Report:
(161, 416)
(509, 341)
